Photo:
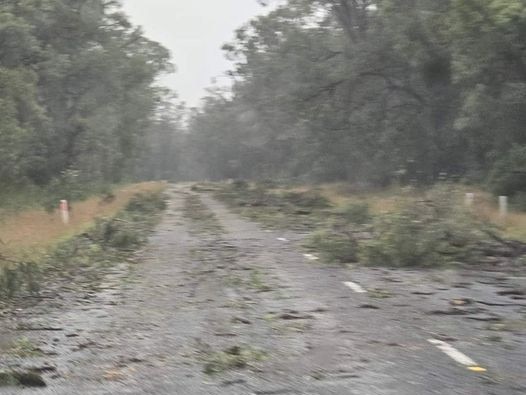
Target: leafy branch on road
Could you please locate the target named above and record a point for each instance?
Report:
(109, 241)
(422, 229)
(203, 219)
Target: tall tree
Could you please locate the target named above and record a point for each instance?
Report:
(79, 89)
(371, 90)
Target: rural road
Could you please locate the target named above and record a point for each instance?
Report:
(237, 309)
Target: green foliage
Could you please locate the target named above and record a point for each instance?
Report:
(108, 241)
(9, 282)
(125, 232)
(268, 184)
(71, 187)
(333, 90)
(240, 184)
(77, 93)
(22, 379)
(203, 219)
(274, 208)
(334, 247)
(23, 347)
(256, 281)
(355, 213)
(378, 293)
(308, 199)
(245, 195)
(518, 201)
(508, 176)
(15, 276)
(118, 233)
(7, 379)
(148, 203)
(426, 233)
(235, 357)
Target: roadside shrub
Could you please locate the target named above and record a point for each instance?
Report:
(267, 183)
(108, 195)
(127, 229)
(243, 195)
(518, 201)
(104, 243)
(31, 276)
(72, 186)
(356, 213)
(428, 232)
(240, 184)
(147, 203)
(14, 277)
(118, 233)
(508, 176)
(9, 282)
(126, 238)
(259, 196)
(204, 187)
(334, 247)
(307, 199)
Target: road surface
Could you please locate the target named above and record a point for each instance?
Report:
(218, 305)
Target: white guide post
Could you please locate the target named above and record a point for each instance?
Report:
(470, 198)
(503, 208)
(64, 211)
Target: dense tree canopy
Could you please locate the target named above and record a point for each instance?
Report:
(369, 91)
(77, 92)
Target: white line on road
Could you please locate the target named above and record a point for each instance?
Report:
(311, 257)
(453, 353)
(355, 287)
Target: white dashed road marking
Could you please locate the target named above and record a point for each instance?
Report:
(311, 257)
(456, 355)
(355, 287)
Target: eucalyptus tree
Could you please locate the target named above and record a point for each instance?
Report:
(77, 88)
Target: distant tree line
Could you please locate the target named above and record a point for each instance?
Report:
(77, 92)
(370, 91)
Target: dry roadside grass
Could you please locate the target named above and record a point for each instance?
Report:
(386, 200)
(340, 195)
(514, 227)
(32, 232)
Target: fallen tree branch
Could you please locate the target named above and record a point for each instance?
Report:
(518, 247)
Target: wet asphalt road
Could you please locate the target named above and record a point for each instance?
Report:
(152, 327)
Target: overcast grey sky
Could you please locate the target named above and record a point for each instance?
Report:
(194, 31)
